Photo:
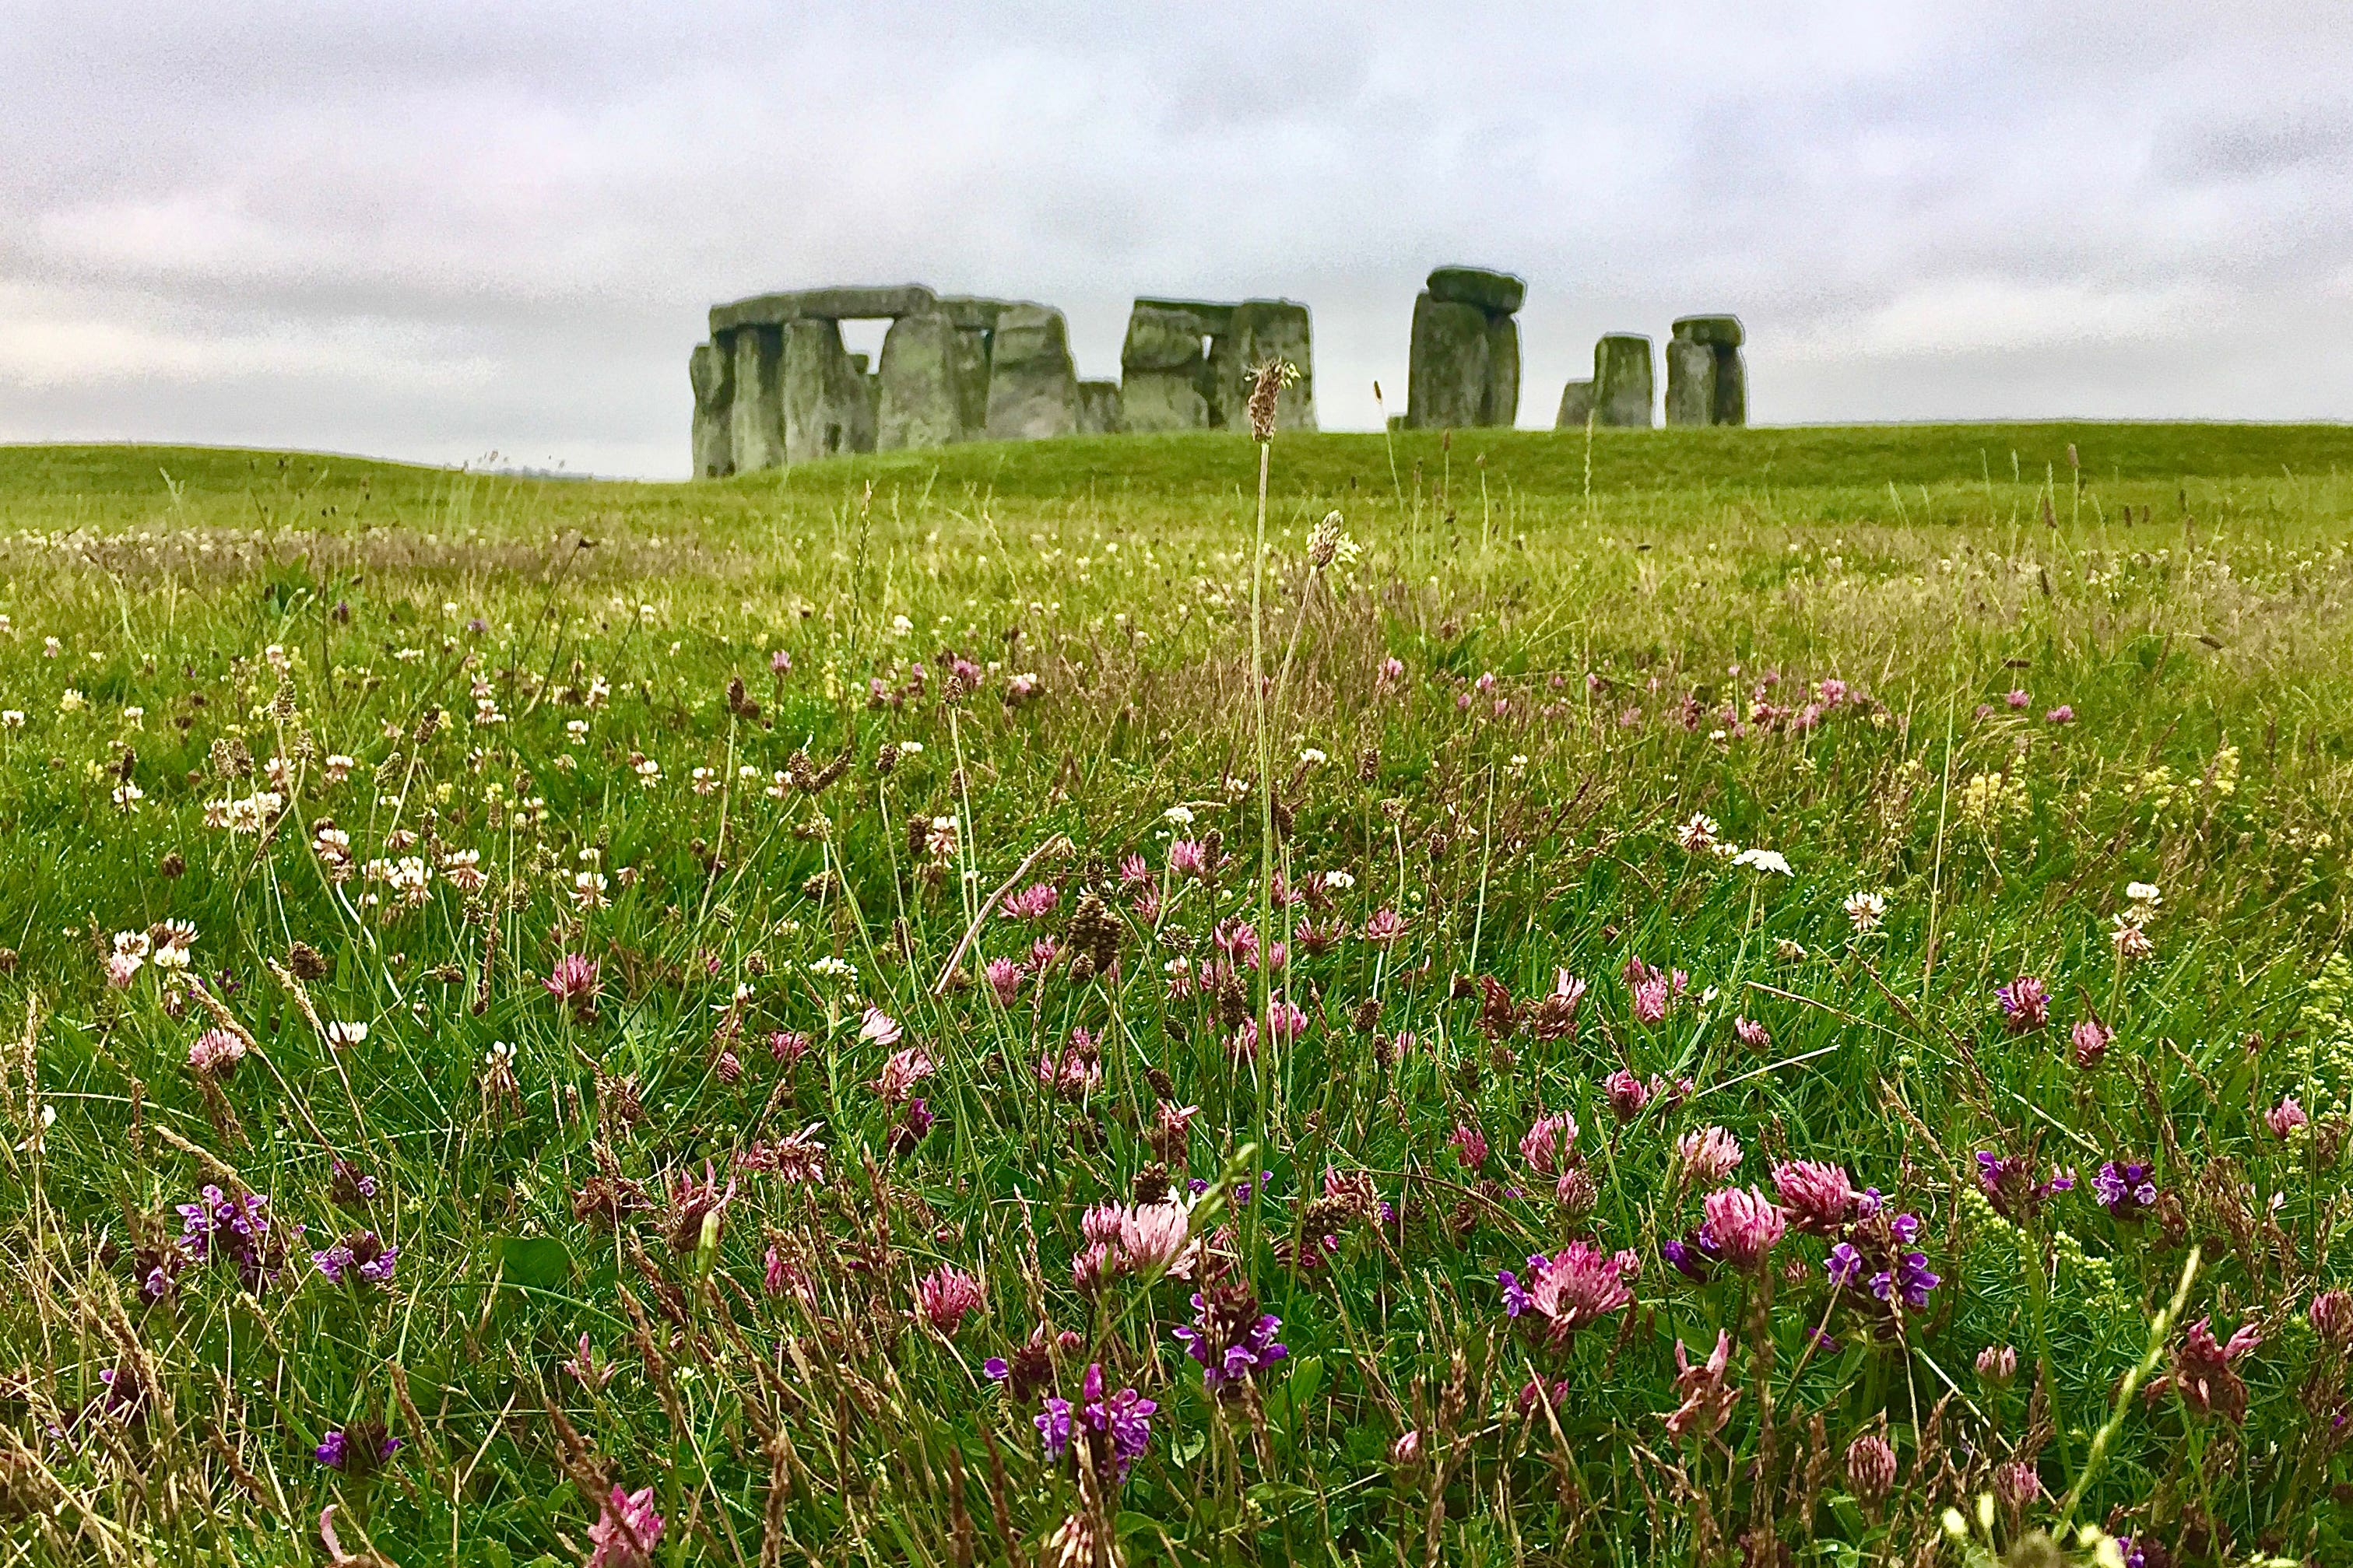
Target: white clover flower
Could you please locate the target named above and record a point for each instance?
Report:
(1866, 910)
(1764, 860)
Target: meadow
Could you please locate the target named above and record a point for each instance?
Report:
(1760, 997)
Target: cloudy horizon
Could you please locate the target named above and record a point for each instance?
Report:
(425, 231)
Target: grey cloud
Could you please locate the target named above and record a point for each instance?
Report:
(429, 229)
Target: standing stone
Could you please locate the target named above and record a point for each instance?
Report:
(1501, 404)
(1691, 382)
(1576, 406)
(1446, 382)
(1164, 365)
(1723, 336)
(1033, 387)
(1259, 330)
(1098, 407)
(921, 401)
(758, 425)
(826, 409)
(1624, 392)
(972, 381)
(712, 370)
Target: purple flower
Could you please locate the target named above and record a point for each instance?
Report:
(2025, 1005)
(2124, 1190)
(1910, 1278)
(1694, 1255)
(357, 1450)
(1118, 1429)
(2007, 1181)
(363, 1253)
(1229, 1337)
(1844, 1264)
(237, 1229)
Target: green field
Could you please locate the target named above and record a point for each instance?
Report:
(815, 936)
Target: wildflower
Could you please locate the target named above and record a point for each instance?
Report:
(2025, 1005)
(1654, 990)
(625, 1532)
(1384, 928)
(1818, 1196)
(363, 1253)
(1116, 1430)
(2007, 1183)
(696, 1205)
(1743, 1224)
(2091, 1040)
(2203, 1371)
(1229, 1337)
(946, 1297)
(1470, 1145)
(1627, 1094)
(1551, 1144)
(216, 1051)
(1871, 1467)
(342, 1033)
(573, 981)
(1033, 902)
(1156, 1238)
(1709, 1154)
(2124, 1190)
(2331, 1314)
(1997, 1364)
(1697, 835)
(238, 1228)
(1764, 860)
(122, 968)
(2017, 698)
(1865, 912)
(2129, 940)
(357, 1449)
(879, 1027)
(1189, 858)
(902, 1072)
(1389, 672)
(1004, 978)
(1571, 1289)
(1751, 1033)
(2062, 714)
(1707, 1396)
(2285, 1116)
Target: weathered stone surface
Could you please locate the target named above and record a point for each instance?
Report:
(1033, 387)
(1098, 407)
(972, 380)
(1496, 293)
(1691, 382)
(1446, 383)
(1623, 391)
(1167, 335)
(1575, 405)
(757, 424)
(1501, 405)
(826, 408)
(922, 400)
(1153, 402)
(848, 304)
(1716, 331)
(712, 370)
(970, 312)
(1259, 330)
(1731, 387)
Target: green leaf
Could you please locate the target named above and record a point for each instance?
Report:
(533, 1262)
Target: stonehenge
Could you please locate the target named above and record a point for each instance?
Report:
(1724, 396)
(1706, 382)
(1464, 368)
(1186, 363)
(773, 385)
(1622, 388)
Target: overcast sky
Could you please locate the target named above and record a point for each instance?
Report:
(435, 230)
